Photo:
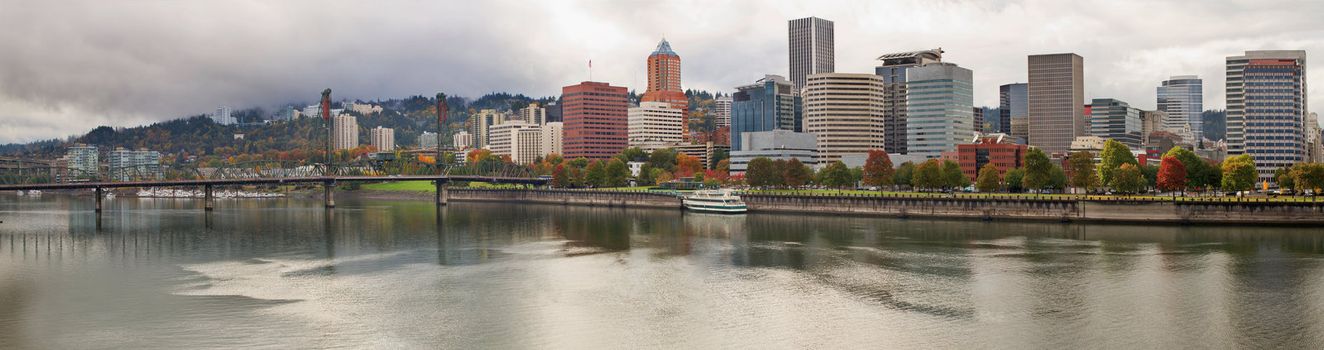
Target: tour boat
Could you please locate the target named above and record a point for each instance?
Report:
(714, 201)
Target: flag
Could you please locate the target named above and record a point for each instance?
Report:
(326, 105)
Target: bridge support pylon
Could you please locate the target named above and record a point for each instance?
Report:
(329, 194)
(207, 198)
(99, 195)
(443, 193)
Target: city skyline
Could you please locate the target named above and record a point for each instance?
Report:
(175, 61)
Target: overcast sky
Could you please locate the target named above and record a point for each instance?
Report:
(68, 66)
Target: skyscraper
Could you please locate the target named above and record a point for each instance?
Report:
(845, 112)
(1056, 95)
(1266, 108)
(595, 117)
(664, 83)
(1014, 110)
(940, 108)
(722, 111)
(346, 132)
(382, 138)
(771, 103)
(811, 48)
(480, 126)
(533, 114)
(1117, 120)
(893, 71)
(1182, 98)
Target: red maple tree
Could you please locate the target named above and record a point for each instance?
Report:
(1171, 174)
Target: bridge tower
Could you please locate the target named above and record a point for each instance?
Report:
(442, 194)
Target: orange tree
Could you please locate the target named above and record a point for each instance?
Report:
(1171, 174)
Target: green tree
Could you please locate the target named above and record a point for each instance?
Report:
(760, 172)
(952, 175)
(1310, 176)
(796, 174)
(779, 170)
(1150, 172)
(618, 173)
(1238, 173)
(1128, 179)
(596, 174)
(878, 169)
(1112, 157)
(905, 174)
(1038, 170)
(835, 175)
(1197, 171)
(646, 176)
(928, 175)
(663, 159)
(1057, 179)
(1083, 175)
(580, 163)
(633, 154)
(1286, 178)
(989, 179)
(1015, 180)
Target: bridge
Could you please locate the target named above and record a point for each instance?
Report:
(18, 175)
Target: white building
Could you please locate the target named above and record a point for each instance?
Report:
(365, 108)
(223, 116)
(845, 111)
(533, 114)
(722, 111)
(462, 140)
(1267, 108)
(552, 134)
(134, 165)
(506, 139)
(382, 138)
(775, 144)
(655, 125)
(480, 125)
(345, 132)
(83, 159)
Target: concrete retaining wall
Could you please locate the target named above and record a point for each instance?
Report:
(569, 197)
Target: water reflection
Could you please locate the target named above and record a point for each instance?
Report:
(409, 274)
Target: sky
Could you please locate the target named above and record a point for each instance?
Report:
(67, 66)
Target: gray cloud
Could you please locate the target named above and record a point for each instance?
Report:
(68, 66)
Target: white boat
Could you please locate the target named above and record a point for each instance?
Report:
(714, 201)
(34, 193)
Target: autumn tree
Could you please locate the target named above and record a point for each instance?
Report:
(1083, 175)
(618, 173)
(928, 175)
(559, 177)
(989, 179)
(1112, 157)
(595, 174)
(1286, 178)
(835, 175)
(796, 174)
(760, 173)
(1309, 176)
(1197, 171)
(1171, 175)
(878, 169)
(1127, 179)
(904, 174)
(687, 166)
(1238, 173)
(952, 176)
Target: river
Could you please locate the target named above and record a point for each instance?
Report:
(285, 273)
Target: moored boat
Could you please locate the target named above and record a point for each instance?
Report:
(714, 201)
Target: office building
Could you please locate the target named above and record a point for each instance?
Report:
(596, 120)
(345, 131)
(771, 103)
(382, 138)
(480, 126)
(893, 70)
(1116, 120)
(506, 139)
(550, 143)
(1056, 95)
(664, 83)
(940, 109)
(722, 111)
(533, 114)
(845, 112)
(134, 165)
(462, 140)
(775, 145)
(1182, 99)
(655, 125)
(998, 149)
(223, 116)
(1014, 110)
(1266, 108)
(1150, 121)
(811, 49)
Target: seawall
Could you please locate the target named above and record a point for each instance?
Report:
(1011, 208)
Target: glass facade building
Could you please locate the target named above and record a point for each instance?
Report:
(1014, 110)
(1182, 98)
(769, 104)
(1266, 108)
(940, 108)
(1117, 120)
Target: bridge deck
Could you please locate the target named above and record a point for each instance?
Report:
(274, 180)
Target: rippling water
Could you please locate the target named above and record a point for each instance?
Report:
(160, 273)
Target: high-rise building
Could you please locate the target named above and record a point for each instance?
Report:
(1266, 108)
(480, 126)
(978, 125)
(382, 138)
(1056, 95)
(1117, 120)
(940, 108)
(596, 120)
(811, 49)
(517, 139)
(655, 125)
(722, 111)
(1182, 98)
(664, 83)
(845, 112)
(550, 143)
(1014, 110)
(992, 122)
(223, 116)
(82, 161)
(771, 103)
(346, 131)
(134, 165)
(1150, 121)
(893, 71)
(533, 114)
